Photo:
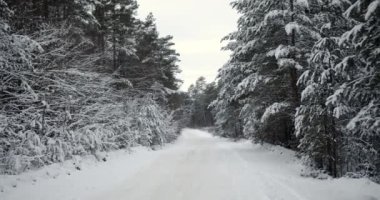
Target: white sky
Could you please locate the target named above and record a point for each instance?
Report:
(198, 27)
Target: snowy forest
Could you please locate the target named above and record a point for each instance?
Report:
(83, 77)
(305, 74)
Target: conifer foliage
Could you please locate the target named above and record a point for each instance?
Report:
(81, 77)
(305, 74)
(201, 95)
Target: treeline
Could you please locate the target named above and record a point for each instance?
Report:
(201, 95)
(305, 74)
(80, 77)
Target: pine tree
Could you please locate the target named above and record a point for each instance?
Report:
(226, 110)
(202, 94)
(115, 34)
(319, 131)
(356, 101)
(269, 48)
(168, 59)
(157, 61)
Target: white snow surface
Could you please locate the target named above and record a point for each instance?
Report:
(198, 166)
(292, 26)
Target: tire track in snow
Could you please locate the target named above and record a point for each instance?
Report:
(274, 189)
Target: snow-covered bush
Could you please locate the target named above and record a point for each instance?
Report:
(55, 107)
(153, 124)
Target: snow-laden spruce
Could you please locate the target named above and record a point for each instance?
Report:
(304, 74)
(269, 48)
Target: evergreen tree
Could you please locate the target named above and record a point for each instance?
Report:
(64, 87)
(115, 34)
(155, 61)
(319, 131)
(202, 94)
(269, 48)
(225, 108)
(356, 101)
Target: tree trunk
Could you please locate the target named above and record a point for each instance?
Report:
(293, 71)
(46, 9)
(114, 40)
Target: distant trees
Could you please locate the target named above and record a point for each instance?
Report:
(81, 77)
(202, 94)
(304, 74)
(181, 104)
(153, 50)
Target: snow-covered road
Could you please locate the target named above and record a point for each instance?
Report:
(199, 167)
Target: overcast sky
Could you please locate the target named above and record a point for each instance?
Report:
(198, 27)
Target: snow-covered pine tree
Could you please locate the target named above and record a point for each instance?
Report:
(238, 69)
(357, 100)
(319, 131)
(226, 110)
(168, 63)
(114, 34)
(155, 60)
(202, 94)
(294, 31)
(270, 46)
(121, 21)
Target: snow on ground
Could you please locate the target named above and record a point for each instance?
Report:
(64, 182)
(197, 167)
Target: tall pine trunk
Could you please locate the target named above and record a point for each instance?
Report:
(293, 71)
(46, 9)
(114, 39)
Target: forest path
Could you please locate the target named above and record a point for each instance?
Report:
(203, 167)
(198, 166)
